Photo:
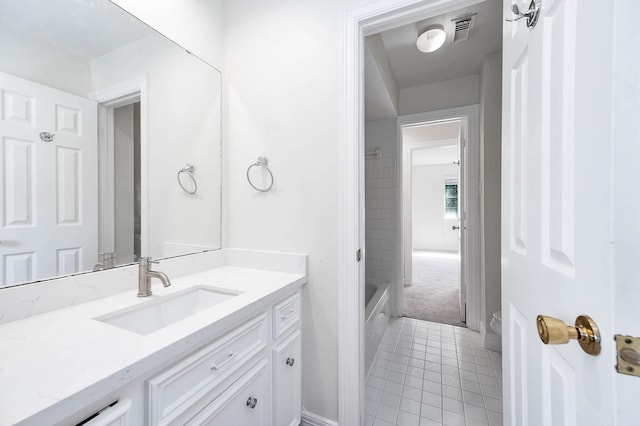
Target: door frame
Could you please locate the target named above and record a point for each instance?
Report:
(108, 99)
(356, 21)
(469, 117)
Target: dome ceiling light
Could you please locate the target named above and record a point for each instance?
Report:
(431, 39)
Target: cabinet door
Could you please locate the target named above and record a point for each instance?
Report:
(245, 403)
(287, 384)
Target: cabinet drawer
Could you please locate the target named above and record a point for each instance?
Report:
(115, 415)
(245, 403)
(286, 314)
(183, 389)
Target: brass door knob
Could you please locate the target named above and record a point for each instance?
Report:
(553, 331)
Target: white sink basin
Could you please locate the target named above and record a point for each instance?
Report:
(152, 316)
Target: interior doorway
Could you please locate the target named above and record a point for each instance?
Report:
(432, 195)
(361, 22)
(123, 172)
(126, 182)
(449, 248)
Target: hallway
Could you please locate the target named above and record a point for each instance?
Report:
(428, 374)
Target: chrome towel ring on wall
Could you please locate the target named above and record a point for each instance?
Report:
(188, 170)
(262, 163)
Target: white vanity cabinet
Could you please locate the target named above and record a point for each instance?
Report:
(236, 362)
(250, 376)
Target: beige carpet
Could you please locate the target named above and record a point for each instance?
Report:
(434, 295)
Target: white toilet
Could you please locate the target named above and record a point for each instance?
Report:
(496, 323)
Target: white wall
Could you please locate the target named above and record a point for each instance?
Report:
(183, 127)
(380, 202)
(430, 230)
(39, 62)
(453, 93)
(196, 25)
(282, 73)
(491, 145)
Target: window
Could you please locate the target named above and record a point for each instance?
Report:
(450, 198)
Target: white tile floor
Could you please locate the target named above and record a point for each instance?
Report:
(428, 374)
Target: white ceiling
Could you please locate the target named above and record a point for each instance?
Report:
(58, 22)
(411, 68)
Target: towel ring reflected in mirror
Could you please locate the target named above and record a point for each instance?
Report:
(261, 163)
(188, 170)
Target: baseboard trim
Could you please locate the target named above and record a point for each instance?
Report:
(312, 419)
(491, 340)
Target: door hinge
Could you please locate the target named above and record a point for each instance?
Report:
(359, 255)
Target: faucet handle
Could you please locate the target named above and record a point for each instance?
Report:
(145, 260)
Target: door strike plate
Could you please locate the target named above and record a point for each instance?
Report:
(628, 355)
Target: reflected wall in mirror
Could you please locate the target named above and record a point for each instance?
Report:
(98, 115)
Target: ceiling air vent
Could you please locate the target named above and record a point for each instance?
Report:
(463, 28)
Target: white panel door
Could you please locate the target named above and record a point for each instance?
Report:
(49, 189)
(557, 212)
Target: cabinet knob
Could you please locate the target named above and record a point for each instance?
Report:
(251, 402)
(290, 362)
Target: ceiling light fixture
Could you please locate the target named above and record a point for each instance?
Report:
(431, 39)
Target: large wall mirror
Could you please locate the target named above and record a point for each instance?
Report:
(110, 141)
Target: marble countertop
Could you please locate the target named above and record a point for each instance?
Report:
(52, 364)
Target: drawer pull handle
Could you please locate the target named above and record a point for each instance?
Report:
(230, 358)
(288, 314)
(251, 402)
(290, 362)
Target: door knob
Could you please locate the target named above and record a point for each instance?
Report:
(553, 331)
(454, 227)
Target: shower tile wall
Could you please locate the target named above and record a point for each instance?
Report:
(380, 201)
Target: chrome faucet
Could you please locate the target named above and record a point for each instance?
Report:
(145, 274)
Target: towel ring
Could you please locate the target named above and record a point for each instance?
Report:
(188, 170)
(263, 163)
